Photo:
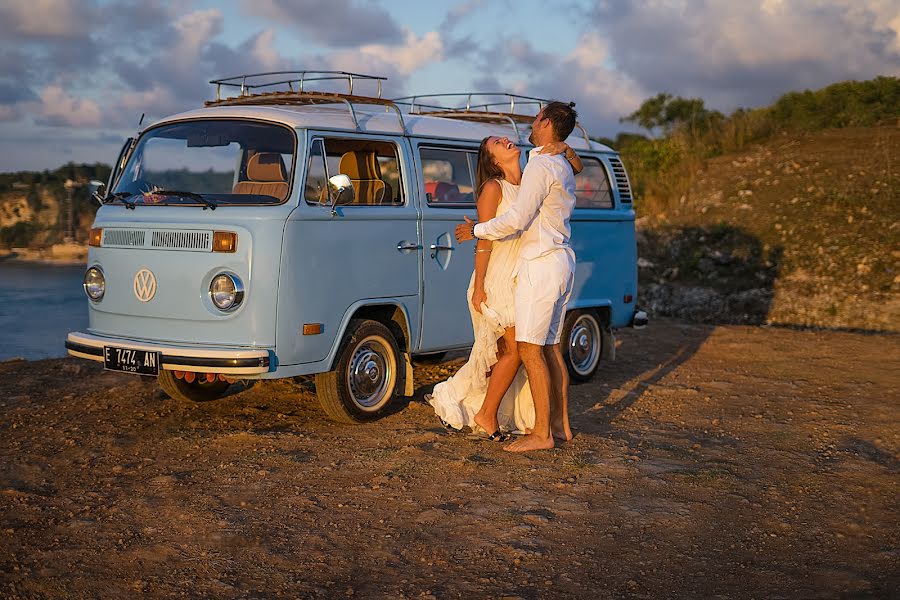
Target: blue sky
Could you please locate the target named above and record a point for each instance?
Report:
(75, 75)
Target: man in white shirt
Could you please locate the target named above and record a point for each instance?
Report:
(545, 273)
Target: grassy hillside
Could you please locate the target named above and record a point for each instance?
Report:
(779, 214)
(801, 229)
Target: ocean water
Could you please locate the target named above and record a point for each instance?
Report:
(39, 305)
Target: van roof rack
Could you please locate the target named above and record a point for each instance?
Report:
(480, 106)
(297, 94)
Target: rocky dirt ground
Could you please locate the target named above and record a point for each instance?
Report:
(708, 462)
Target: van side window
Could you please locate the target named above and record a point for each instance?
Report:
(373, 167)
(448, 176)
(592, 185)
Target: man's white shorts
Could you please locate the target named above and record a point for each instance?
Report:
(543, 288)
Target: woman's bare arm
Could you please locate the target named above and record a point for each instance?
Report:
(488, 201)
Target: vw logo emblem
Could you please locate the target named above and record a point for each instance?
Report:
(144, 285)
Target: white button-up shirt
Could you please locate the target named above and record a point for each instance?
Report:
(541, 210)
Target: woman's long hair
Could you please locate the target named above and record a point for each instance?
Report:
(487, 168)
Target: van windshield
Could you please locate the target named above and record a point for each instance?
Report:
(209, 162)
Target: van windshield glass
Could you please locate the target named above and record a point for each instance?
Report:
(224, 162)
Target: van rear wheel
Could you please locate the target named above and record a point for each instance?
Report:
(198, 390)
(366, 376)
(582, 344)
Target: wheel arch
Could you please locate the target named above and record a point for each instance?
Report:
(390, 312)
(393, 316)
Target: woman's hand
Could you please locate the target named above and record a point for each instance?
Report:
(555, 148)
(479, 296)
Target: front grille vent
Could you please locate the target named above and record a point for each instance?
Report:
(200, 241)
(621, 177)
(124, 238)
(158, 239)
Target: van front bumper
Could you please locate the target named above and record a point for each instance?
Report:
(176, 358)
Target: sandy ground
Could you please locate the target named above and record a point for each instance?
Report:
(729, 462)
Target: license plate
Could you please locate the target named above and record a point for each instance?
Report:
(142, 362)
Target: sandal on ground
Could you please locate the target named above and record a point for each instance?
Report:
(482, 434)
(445, 424)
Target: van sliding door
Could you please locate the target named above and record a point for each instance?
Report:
(447, 194)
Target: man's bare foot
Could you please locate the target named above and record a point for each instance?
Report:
(561, 431)
(529, 443)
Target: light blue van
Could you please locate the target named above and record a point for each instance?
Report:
(280, 233)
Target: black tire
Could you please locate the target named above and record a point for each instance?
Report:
(366, 375)
(197, 391)
(582, 344)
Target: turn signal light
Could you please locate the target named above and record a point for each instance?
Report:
(95, 237)
(224, 241)
(628, 298)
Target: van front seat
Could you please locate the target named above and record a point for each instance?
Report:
(266, 176)
(362, 169)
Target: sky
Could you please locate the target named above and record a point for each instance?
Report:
(76, 75)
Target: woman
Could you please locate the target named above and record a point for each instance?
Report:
(490, 393)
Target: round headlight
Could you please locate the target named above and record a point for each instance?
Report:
(94, 284)
(226, 291)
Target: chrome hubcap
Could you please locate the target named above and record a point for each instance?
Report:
(584, 344)
(370, 374)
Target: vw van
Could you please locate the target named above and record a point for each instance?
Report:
(281, 232)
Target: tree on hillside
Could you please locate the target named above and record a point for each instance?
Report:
(667, 112)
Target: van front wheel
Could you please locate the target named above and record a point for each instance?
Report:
(582, 344)
(366, 375)
(198, 390)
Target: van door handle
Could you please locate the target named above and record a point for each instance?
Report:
(407, 246)
(436, 247)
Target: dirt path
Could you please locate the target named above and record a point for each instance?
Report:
(728, 462)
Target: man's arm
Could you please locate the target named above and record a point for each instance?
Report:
(536, 182)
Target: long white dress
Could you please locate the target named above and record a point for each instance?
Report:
(458, 399)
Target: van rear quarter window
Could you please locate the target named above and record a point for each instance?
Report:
(449, 176)
(226, 162)
(592, 188)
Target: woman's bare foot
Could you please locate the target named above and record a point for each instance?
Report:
(487, 423)
(561, 430)
(529, 443)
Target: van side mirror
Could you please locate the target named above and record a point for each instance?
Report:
(94, 190)
(340, 191)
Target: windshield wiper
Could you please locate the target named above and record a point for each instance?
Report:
(206, 201)
(120, 196)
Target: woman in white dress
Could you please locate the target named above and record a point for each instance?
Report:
(490, 393)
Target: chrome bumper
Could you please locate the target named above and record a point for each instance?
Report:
(176, 358)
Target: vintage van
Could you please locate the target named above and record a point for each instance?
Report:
(285, 232)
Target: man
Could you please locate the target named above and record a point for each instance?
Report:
(545, 274)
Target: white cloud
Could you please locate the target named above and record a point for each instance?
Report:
(10, 112)
(58, 107)
(263, 50)
(46, 18)
(748, 53)
(335, 23)
(415, 53)
(194, 30)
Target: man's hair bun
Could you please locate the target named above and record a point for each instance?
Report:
(571, 105)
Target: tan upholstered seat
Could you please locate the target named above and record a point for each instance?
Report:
(362, 169)
(266, 176)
